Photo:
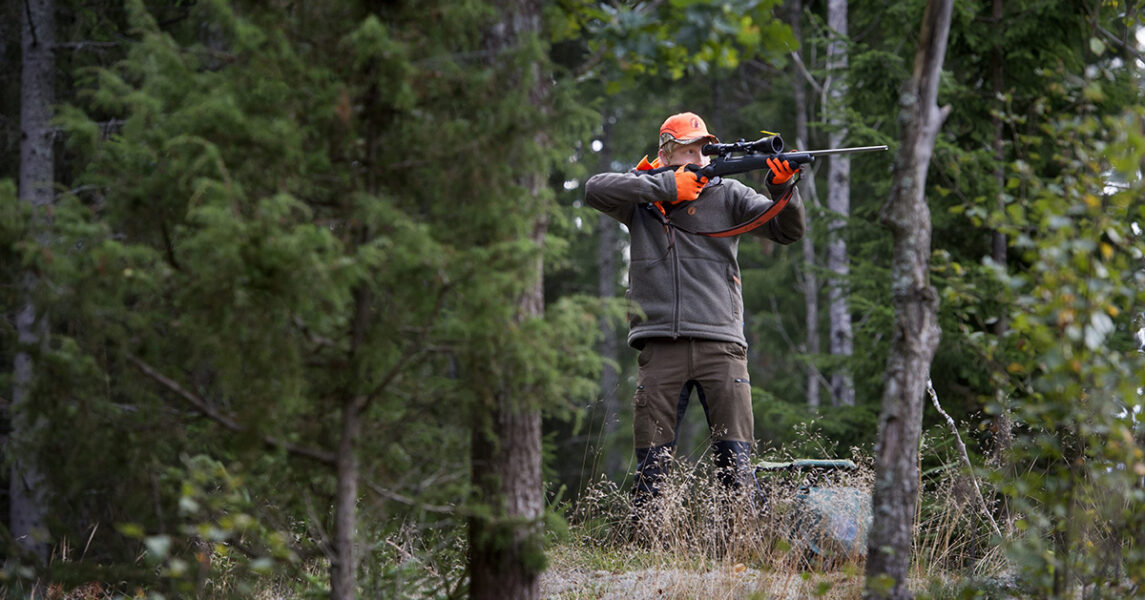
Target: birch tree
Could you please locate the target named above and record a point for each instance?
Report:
(809, 275)
(840, 335)
(916, 332)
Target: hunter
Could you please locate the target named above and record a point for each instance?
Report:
(687, 317)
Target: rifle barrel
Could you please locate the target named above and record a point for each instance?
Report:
(842, 150)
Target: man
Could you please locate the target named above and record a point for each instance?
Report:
(686, 288)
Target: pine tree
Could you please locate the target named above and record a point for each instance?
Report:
(303, 246)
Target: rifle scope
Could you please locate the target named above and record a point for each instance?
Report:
(772, 144)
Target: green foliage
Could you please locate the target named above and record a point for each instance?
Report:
(1075, 372)
(222, 550)
(678, 38)
(14, 223)
(295, 207)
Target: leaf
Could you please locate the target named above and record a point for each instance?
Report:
(131, 530)
(158, 546)
(1100, 325)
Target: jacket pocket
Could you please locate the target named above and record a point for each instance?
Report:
(704, 287)
(645, 355)
(735, 292)
(736, 351)
(651, 293)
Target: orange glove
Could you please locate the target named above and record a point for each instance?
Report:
(689, 184)
(781, 171)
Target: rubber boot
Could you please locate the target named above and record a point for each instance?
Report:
(734, 470)
(651, 467)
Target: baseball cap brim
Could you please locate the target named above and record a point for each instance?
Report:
(667, 137)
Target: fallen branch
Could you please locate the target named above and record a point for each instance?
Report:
(965, 456)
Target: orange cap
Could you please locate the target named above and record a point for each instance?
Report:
(685, 128)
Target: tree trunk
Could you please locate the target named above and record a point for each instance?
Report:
(506, 546)
(606, 286)
(810, 278)
(839, 203)
(343, 561)
(343, 565)
(1002, 425)
(27, 491)
(916, 332)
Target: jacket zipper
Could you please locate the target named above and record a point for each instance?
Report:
(676, 292)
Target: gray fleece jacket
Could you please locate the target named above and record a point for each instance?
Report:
(688, 285)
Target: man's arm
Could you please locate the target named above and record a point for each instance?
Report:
(785, 228)
(789, 225)
(618, 194)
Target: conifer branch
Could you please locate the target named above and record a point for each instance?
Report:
(83, 45)
(396, 497)
(408, 357)
(796, 349)
(205, 409)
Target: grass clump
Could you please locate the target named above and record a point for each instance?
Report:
(698, 538)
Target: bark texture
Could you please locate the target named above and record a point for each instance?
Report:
(916, 332)
(839, 203)
(27, 500)
(1002, 424)
(343, 563)
(506, 546)
(506, 550)
(809, 278)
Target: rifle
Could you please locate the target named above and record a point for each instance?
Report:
(743, 156)
(740, 157)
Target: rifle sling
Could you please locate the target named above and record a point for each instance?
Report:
(767, 215)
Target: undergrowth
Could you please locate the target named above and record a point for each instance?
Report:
(802, 534)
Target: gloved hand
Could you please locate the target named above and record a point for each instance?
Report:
(689, 184)
(781, 171)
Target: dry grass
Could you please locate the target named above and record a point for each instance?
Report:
(700, 540)
(950, 535)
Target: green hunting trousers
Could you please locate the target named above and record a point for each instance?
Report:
(669, 371)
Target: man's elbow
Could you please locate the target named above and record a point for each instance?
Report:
(790, 237)
(594, 193)
(787, 232)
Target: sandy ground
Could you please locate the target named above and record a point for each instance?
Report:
(730, 582)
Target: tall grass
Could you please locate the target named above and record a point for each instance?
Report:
(698, 539)
(731, 543)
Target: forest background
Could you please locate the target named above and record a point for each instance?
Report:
(300, 266)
